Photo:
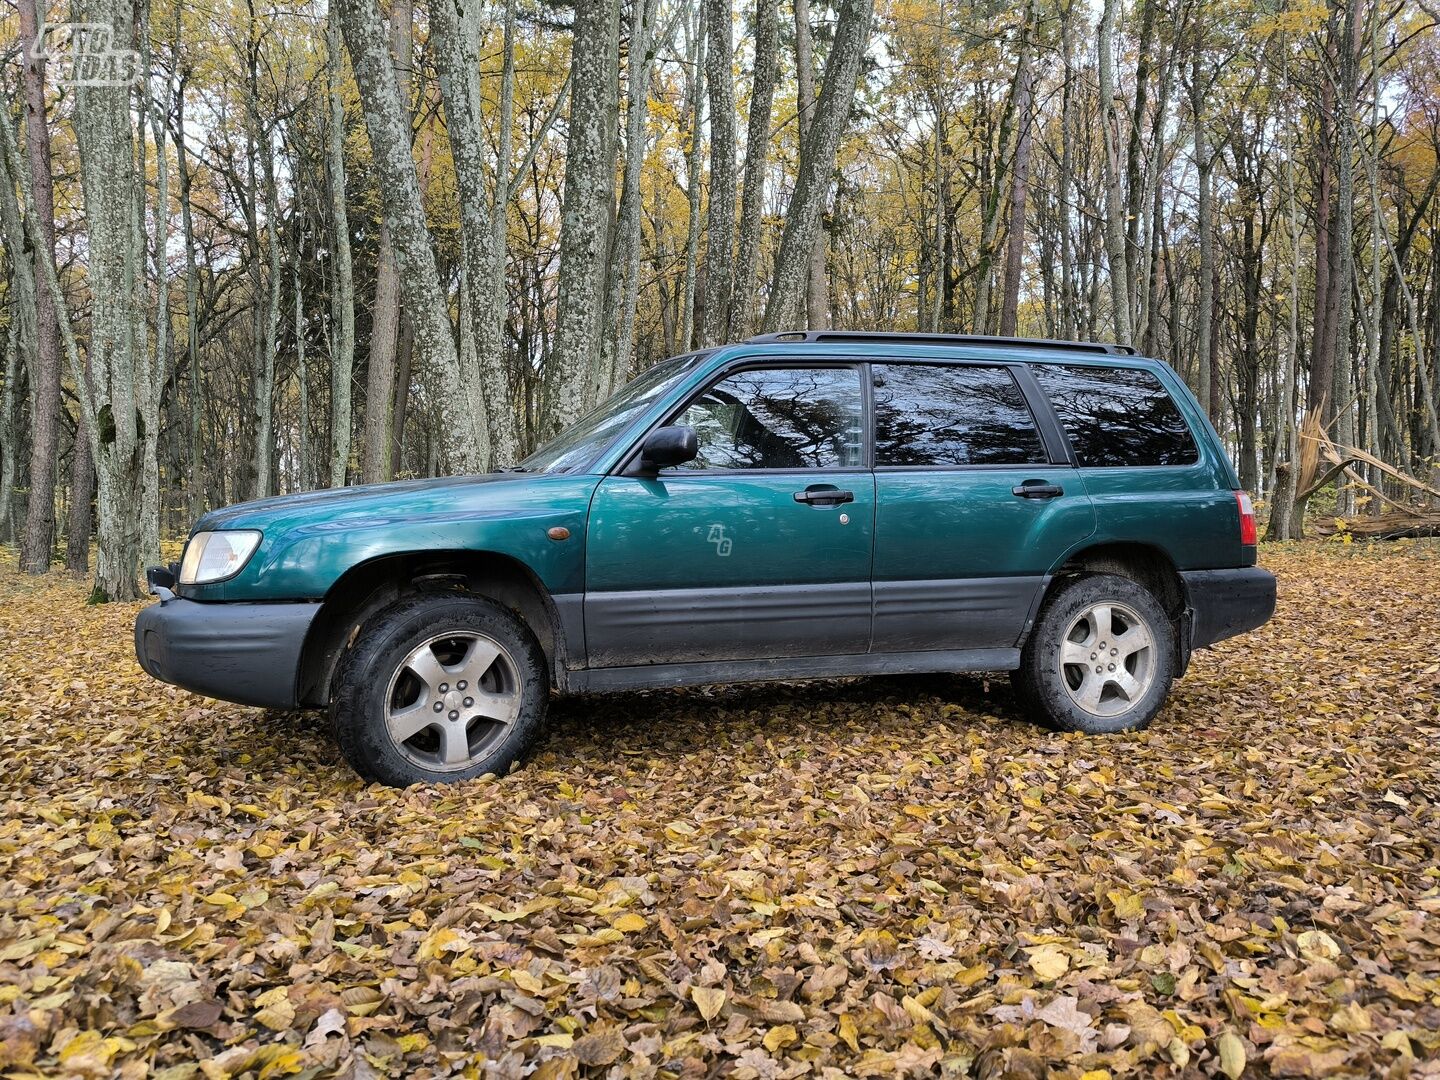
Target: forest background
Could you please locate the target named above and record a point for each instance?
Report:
(253, 248)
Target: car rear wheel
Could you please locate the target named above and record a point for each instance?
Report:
(1100, 658)
(438, 689)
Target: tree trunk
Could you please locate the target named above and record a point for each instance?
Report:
(1344, 231)
(585, 212)
(817, 162)
(1067, 178)
(80, 524)
(1135, 205)
(623, 281)
(156, 363)
(302, 376)
(720, 211)
(20, 345)
(1204, 310)
(757, 149)
(108, 179)
(1019, 184)
(695, 96)
(1283, 524)
(38, 539)
(385, 314)
(457, 57)
(9, 421)
(817, 292)
(1319, 394)
(195, 482)
(342, 360)
(387, 121)
(1110, 156)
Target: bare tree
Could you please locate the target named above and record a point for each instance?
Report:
(20, 345)
(585, 213)
(387, 121)
(757, 150)
(817, 161)
(720, 210)
(1114, 203)
(623, 281)
(342, 359)
(38, 539)
(1019, 178)
(385, 312)
(817, 293)
(694, 99)
(457, 56)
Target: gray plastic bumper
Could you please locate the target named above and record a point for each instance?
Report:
(246, 653)
(1224, 603)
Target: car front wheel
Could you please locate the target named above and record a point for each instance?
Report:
(438, 689)
(1100, 658)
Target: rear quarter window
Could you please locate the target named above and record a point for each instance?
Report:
(1117, 416)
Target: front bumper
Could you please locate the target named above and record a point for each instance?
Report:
(1224, 603)
(245, 653)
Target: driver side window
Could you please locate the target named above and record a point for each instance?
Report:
(779, 418)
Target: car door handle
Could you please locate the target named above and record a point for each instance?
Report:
(1037, 489)
(824, 496)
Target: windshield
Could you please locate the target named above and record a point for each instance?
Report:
(578, 444)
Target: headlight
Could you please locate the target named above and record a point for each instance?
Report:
(215, 556)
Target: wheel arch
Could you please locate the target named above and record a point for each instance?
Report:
(1147, 565)
(370, 586)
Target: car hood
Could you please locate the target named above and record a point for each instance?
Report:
(312, 538)
(332, 503)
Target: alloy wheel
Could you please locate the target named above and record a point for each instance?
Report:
(451, 700)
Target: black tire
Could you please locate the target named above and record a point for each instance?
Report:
(1051, 692)
(374, 683)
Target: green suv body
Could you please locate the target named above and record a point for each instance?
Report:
(799, 505)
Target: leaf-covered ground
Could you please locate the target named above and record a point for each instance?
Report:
(872, 878)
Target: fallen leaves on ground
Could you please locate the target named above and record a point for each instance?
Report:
(866, 878)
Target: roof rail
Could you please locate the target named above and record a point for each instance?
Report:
(894, 338)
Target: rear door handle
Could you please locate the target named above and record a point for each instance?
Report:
(1037, 489)
(824, 496)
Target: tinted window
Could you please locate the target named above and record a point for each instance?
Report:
(578, 444)
(952, 416)
(1117, 416)
(783, 418)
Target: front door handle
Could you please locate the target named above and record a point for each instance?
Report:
(824, 496)
(1037, 489)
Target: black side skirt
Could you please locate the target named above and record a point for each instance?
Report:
(648, 676)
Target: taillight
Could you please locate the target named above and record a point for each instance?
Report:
(1248, 534)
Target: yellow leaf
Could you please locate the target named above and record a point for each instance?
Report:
(1048, 962)
(849, 1033)
(1317, 945)
(413, 1042)
(1398, 1042)
(1179, 1052)
(1128, 905)
(527, 982)
(1232, 1054)
(708, 999)
(630, 923)
(777, 1038)
(916, 1011)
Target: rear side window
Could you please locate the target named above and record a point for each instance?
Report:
(1117, 416)
(929, 415)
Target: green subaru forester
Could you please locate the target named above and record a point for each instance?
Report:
(801, 505)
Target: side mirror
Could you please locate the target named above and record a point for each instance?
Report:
(665, 446)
